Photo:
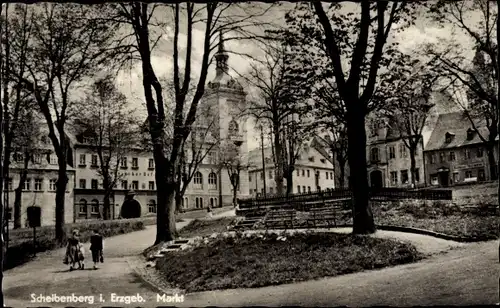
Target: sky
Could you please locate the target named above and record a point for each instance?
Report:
(129, 81)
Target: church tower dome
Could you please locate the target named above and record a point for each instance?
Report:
(222, 77)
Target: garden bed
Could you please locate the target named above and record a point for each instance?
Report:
(249, 261)
(206, 227)
(479, 224)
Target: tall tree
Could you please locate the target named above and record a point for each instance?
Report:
(282, 100)
(408, 105)
(478, 77)
(233, 161)
(67, 45)
(2, 121)
(359, 44)
(215, 17)
(110, 125)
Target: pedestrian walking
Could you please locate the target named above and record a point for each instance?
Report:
(97, 247)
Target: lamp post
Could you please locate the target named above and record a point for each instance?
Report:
(263, 158)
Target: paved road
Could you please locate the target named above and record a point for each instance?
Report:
(467, 275)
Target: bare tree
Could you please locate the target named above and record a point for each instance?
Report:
(479, 78)
(110, 125)
(358, 41)
(67, 45)
(233, 161)
(282, 99)
(408, 105)
(140, 16)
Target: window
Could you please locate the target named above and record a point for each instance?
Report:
(152, 206)
(82, 159)
(94, 207)
(417, 175)
(308, 173)
(123, 162)
(37, 159)
(212, 180)
(432, 158)
(82, 208)
(326, 175)
(452, 156)
(27, 184)
(18, 157)
(83, 183)
(470, 134)
(392, 152)
(38, 184)
(319, 188)
(303, 172)
(270, 174)
(211, 157)
(449, 137)
(250, 178)
(151, 185)
(124, 184)
(198, 180)
(323, 161)
(317, 175)
(308, 188)
(468, 174)
(404, 176)
(466, 154)
(402, 150)
(331, 175)
(298, 172)
(441, 157)
(94, 184)
(394, 177)
(233, 128)
(481, 175)
(261, 175)
(456, 177)
(480, 152)
(53, 159)
(303, 189)
(135, 163)
(374, 155)
(93, 160)
(186, 203)
(151, 163)
(298, 189)
(135, 185)
(52, 184)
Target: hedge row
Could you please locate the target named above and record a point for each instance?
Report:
(21, 248)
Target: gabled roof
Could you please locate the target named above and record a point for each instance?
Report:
(455, 124)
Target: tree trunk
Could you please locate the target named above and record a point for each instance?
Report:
(289, 182)
(62, 181)
(342, 163)
(178, 201)
(362, 213)
(165, 194)
(23, 175)
(413, 166)
(492, 161)
(107, 195)
(278, 176)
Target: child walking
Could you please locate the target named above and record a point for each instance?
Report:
(96, 247)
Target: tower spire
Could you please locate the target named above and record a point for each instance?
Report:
(221, 57)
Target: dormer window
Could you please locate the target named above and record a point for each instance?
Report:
(449, 137)
(470, 134)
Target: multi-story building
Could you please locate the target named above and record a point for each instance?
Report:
(218, 123)
(39, 188)
(455, 153)
(313, 170)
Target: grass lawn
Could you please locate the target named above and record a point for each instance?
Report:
(445, 219)
(262, 260)
(206, 227)
(203, 213)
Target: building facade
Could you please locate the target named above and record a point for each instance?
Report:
(313, 171)
(455, 154)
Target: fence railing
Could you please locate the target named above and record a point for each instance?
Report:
(379, 194)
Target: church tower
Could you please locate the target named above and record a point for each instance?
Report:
(226, 100)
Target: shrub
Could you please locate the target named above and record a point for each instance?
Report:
(21, 247)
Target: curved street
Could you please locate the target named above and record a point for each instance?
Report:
(465, 275)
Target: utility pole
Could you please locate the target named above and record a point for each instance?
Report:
(263, 158)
